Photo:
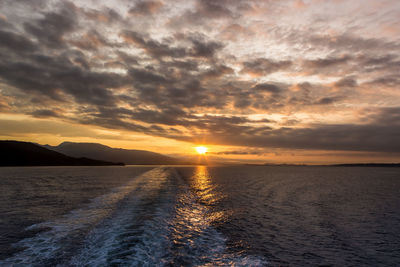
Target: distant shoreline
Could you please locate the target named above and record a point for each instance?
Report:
(367, 165)
(330, 165)
(377, 165)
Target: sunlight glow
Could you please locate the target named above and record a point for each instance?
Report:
(201, 150)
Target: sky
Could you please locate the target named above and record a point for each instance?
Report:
(302, 81)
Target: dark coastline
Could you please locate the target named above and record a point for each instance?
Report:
(367, 165)
(333, 165)
(20, 154)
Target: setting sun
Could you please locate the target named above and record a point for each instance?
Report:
(201, 150)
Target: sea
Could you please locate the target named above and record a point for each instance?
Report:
(200, 216)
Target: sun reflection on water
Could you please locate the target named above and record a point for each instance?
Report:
(195, 218)
(204, 188)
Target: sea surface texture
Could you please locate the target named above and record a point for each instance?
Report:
(200, 216)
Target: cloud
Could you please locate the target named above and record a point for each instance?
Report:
(243, 73)
(91, 41)
(44, 113)
(263, 66)
(106, 16)
(16, 43)
(213, 9)
(204, 12)
(143, 76)
(50, 29)
(327, 100)
(267, 87)
(377, 136)
(238, 152)
(202, 48)
(216, 72)
(326, 62)
(152, 47)
(146, 8)
(53, 76)
(234, 31)
(391, 80)
(344, 42)
(346, 82)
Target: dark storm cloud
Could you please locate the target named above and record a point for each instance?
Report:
(238, 152)
(50, 29)
(16, 43)
(206, 11)
(342, 42)
(262, 96)
(364, 65)
(327, 100)
(69, 73)
(388, 62)
(387, 116)
(389, 80)
(53, 76)
(185, 65)
(43, 113)
(346, 82)
(162, 88)
(145, 7)
(124, 69)
(114, 123)
(310, 95)
(174, 116)
(111, 118)
(152, 47)
(202, 48)
(380, 60)
(91, 41)
(216, 72)
(107, 15)
(267, 87)
(34, 5)
(170, 116)
(380, 135)
(326, 62)
(143, 76)
(333, 137)
(263, 66)
(213, 9)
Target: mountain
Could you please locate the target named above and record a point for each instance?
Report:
(102, 152)
(15, 153)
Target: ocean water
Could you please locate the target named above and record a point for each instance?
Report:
(199, 216)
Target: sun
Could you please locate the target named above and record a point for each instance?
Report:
(201, 150)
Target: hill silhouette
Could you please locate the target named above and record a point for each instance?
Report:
(102, 152)
(16, 153)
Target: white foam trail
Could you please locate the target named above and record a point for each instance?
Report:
(196, 242)
(136, 235)
(64, 232)
(154, 220)
(178, 232)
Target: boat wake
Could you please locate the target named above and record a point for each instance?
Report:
(154, 220)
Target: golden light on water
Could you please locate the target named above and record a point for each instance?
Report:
(208, 193)
(195, 211)
(201, 150)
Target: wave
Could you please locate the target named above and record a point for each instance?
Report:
(154, 220)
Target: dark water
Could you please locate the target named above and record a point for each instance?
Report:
(199, 216)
